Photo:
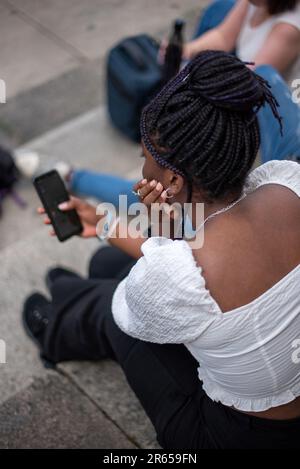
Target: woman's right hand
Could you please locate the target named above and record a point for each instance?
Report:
(150, 192)
(86, 213)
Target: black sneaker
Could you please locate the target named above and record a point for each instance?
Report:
(53, 274)
(37, 312)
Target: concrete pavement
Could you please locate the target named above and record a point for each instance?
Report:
(52, 55)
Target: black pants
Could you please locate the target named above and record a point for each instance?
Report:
(164, 377)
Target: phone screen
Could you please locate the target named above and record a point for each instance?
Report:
(52, 192)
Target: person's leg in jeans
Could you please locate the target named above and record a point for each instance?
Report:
(104, 187)
(213, 15)
(275, 146)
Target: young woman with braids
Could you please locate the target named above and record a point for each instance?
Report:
(205, 336)
(266, 32)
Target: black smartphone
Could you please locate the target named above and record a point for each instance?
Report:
(52, 192)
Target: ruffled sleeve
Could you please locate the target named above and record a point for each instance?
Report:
(285, 173)
(164, 298)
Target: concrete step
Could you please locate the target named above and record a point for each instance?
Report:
(59, 51)
(53, 413)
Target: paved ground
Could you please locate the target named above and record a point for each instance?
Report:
(52, 57)
(52, 54)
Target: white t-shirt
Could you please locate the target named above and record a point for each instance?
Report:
(251, 39)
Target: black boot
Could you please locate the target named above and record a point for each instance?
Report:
(36, 315)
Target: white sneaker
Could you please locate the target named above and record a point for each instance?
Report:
(27, 162)
(64, 169)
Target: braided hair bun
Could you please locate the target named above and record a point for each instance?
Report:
(203, 123)
(226, 81)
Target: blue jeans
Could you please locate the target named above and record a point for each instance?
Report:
(104, 187)
(213, 15)
(273, 146)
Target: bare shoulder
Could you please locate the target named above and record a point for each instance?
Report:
(272, 200)
(250, 248)
(287, 32)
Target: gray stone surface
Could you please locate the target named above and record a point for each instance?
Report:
(87, 26)
(88, 141)
(53, 413)
(33, 112)
(69, 32)
(23, 51)
(52, 55)
(106, 385)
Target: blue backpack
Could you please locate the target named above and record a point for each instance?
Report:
(134, 76)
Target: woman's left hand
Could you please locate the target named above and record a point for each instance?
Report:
(86, 212)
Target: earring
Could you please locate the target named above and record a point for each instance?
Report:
(171, 195)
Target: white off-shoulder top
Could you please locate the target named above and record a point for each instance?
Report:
(246, 355)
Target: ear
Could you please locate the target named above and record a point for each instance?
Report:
(174, 182)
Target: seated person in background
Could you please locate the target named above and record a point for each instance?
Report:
(205, 335)
(266, 32)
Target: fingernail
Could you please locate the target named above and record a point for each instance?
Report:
(164, 194)
(159, 187)
(63, 206)
(153, 183)
(144, 181)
